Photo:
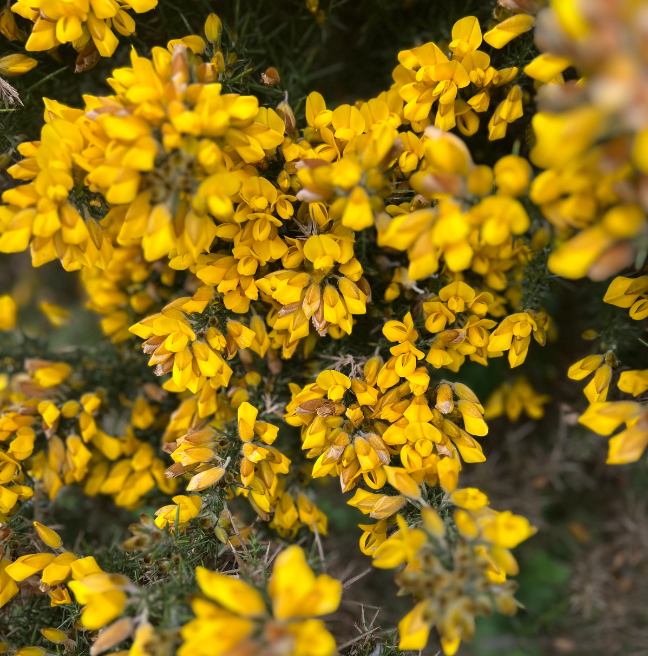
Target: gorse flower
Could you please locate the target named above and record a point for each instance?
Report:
(600, 219)
(79, 22)
(302, 281)
(515, 399)
(235, 616)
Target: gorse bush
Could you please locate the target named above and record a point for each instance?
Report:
(299, 277)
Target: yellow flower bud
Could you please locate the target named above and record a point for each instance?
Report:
(48, 536)
(469, 498)
(403, 482)
(213, 27)
(16, 65)
(8, 312)
(205, 479)
(56, 636)
(448, 470)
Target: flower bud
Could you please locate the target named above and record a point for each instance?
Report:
(48, 536)
(213, 27)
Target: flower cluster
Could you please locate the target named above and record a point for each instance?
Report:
(62, 433)
(234, 616)
(306, 283)
(426, 76)
(591, 135)
(603, 416)
(464, 311)
(103, 594)
(354, 427)
(514, 399)
(454, 584)
(86, 25)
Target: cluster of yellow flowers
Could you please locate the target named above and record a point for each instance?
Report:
(355, 426)
(42, 401)
(591, 134)
(233, 616)
(426, 76)
(514, 399)
(79, 22)
(453, 578)
(603, 416)
(219, 232)
(103, 595)
(128, 288)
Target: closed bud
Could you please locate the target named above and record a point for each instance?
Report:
(221, 534)
(312, 300)
(8, 26)
(213, 28)
(433, 522)
(288, 115)
(218, 61)
(444, 403)
(283, 180)
(403, 482)
(136, 543)
(205, 479)
(48, 536)
(371, 369)
(387, 506)
(505, 604)
(16, 65)
(54, 635)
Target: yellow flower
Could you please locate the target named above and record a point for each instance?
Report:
(240, 618)
(506, 112)
(8, 312)
(629, 293)
(8, 587)
(56, 315)
(377, 506)
(508, 29)
(512, 175)
(233, 594)
(25, 566)
(634, 382)
(469, 498)
(400, 547)
(333, 383)
(605, 417)
(296, 592)
(103, 596)
(414, 628)
(507, 530)
(184, 510)
(466, 37)
(597, 388)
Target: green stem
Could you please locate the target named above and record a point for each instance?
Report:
(47, 77)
